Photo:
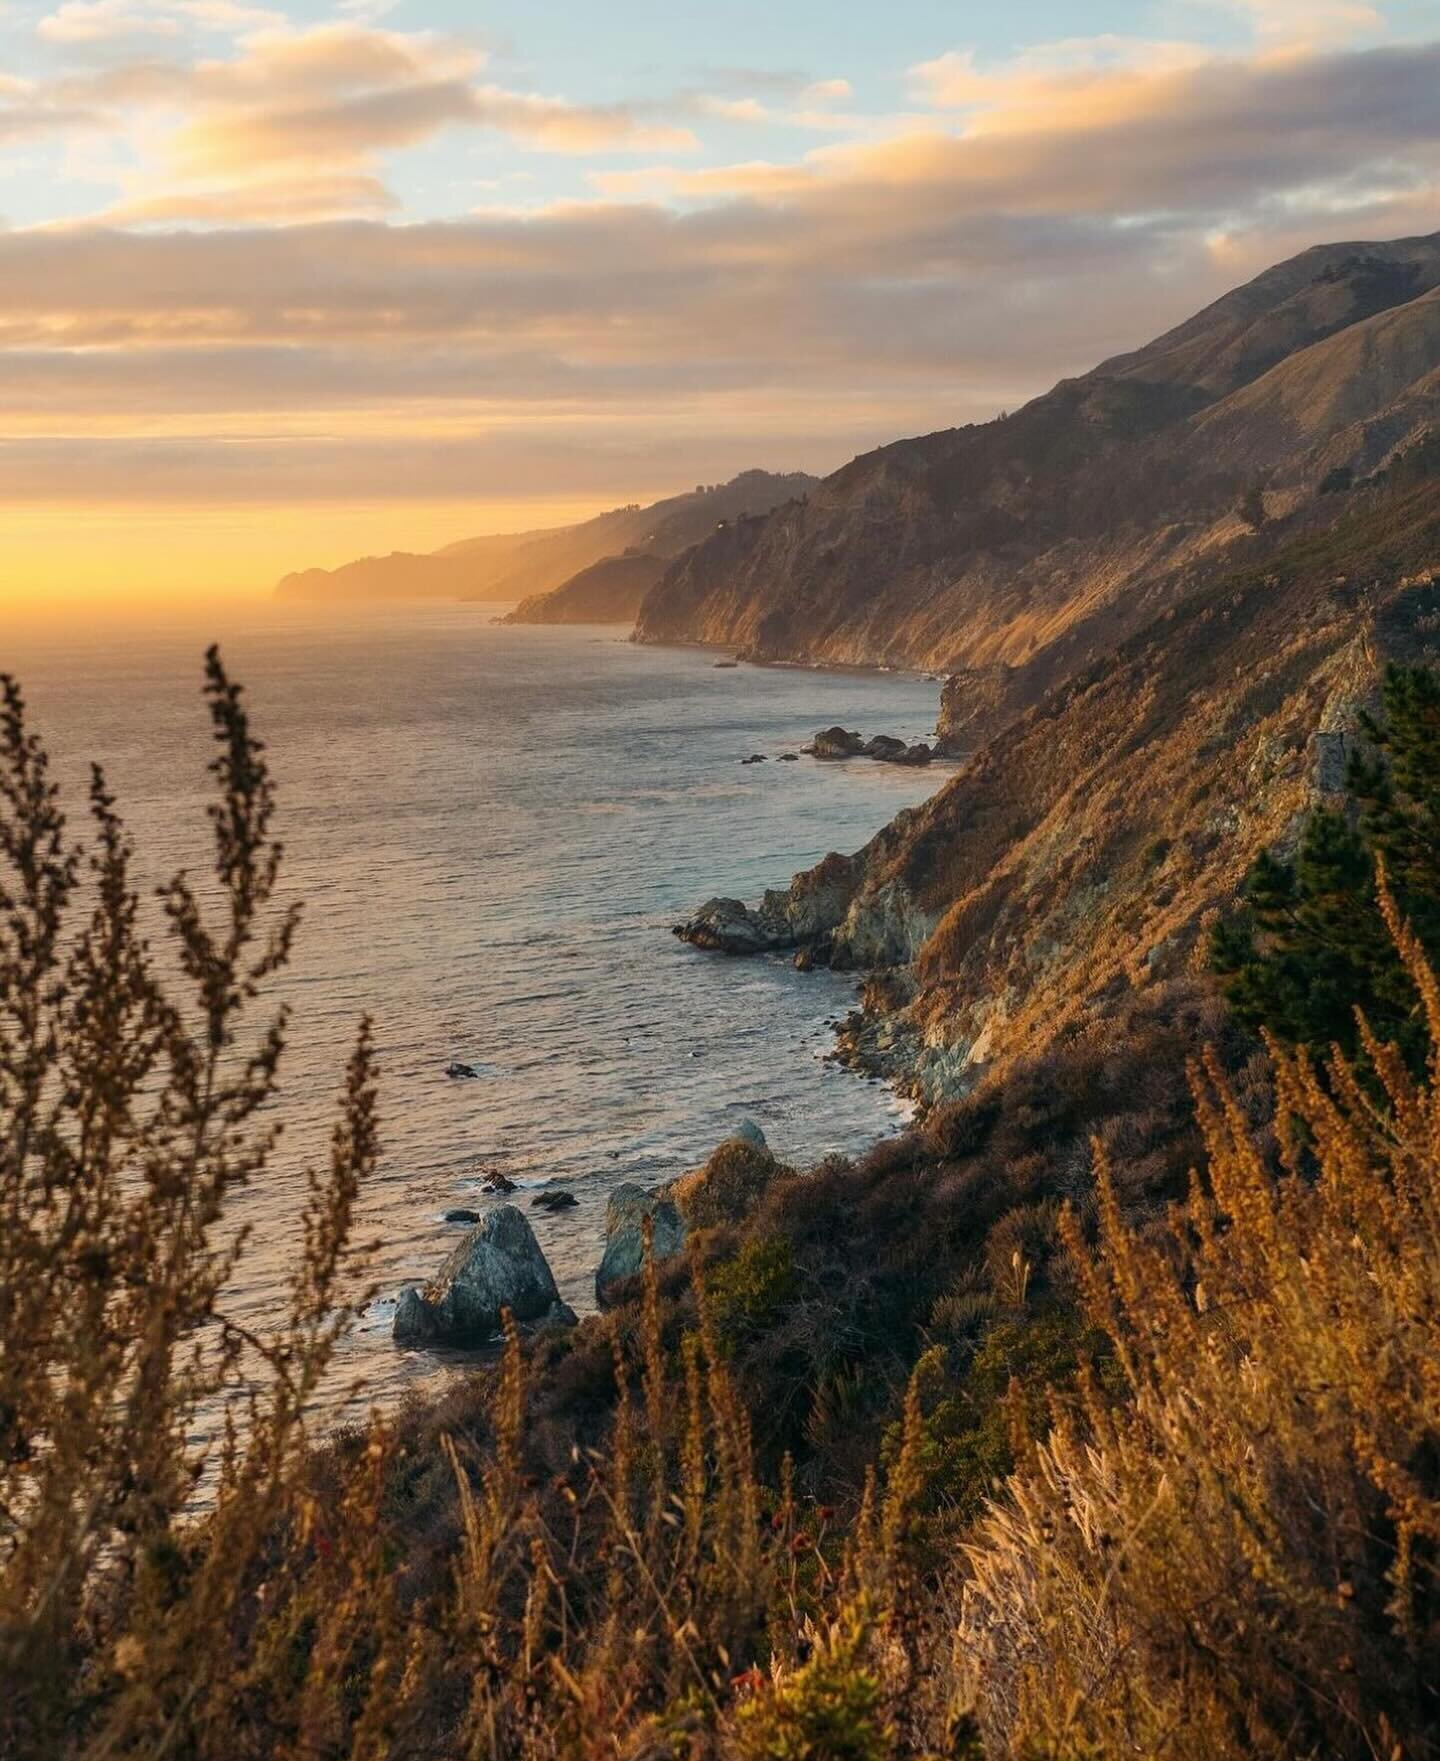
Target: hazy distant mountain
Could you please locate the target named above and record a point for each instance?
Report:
(1036, 542)
(516, 565)
(608, 592)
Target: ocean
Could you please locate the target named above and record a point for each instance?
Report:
(493, 830)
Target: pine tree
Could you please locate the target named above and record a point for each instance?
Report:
(1311, 946)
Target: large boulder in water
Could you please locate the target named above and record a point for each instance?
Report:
(886, 748)
(836, 742)
(499, 1265)
(625, 1216)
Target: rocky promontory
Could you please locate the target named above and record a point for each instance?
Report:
(846, 912)
(607, 592)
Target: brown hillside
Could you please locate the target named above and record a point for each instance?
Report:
(1075, 857)
(608, 592)
(1035, 543)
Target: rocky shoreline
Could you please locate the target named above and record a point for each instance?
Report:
(498, 1267)
(847, 914)
(857, 913)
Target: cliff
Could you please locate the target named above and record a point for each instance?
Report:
(608, 592)
(1016, 553)
(1074, 860)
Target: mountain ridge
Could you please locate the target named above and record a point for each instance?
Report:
(1077, 857)
(1068, 521)
(513, 566)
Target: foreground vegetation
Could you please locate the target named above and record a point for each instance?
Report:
(1016, 1438)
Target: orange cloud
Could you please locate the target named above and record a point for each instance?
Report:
(294, 123)
(1072, 203)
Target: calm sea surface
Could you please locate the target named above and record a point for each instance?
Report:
(493, 830)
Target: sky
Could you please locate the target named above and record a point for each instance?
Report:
(284, 284)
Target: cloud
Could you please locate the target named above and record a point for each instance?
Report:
(280, 201)
(87, 23)
(97, 21)
(826, 91)
(215, 136)
(29, 119)
(733, 109)
(1306, 23)
(867, 289)
(352, 126)
(1076, 79)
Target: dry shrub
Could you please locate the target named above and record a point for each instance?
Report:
(1241, 1560)
(729, 1186)
(1236, 1558)
(134, 1102)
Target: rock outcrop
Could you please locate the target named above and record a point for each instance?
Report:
(625, 1215)
(833, 744)
(836, 742)
(723, 1190)
(729, 926)
(846, 912)
(497, 1266)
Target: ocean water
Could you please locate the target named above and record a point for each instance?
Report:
(492, 831)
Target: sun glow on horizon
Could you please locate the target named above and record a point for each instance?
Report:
(285, 286)
(60, 558)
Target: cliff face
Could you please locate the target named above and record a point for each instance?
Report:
(608, 592)
(516, 565)
(1018, 551)
(1074, 859)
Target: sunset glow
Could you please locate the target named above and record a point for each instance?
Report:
(283, 286)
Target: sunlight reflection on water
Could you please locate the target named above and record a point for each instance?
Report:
(493, 830)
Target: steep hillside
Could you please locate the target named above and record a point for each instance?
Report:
(1016, 551)
(1075, 857)
(514, 565)
(608, 592)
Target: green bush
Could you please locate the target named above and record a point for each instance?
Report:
(728, 1187)
(829, 1709)
(748, 1292)
(1312, 945)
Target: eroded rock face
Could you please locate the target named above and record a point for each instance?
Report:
(625, 1216)
(884, 927)
(498, 1265)
(1332, 758)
